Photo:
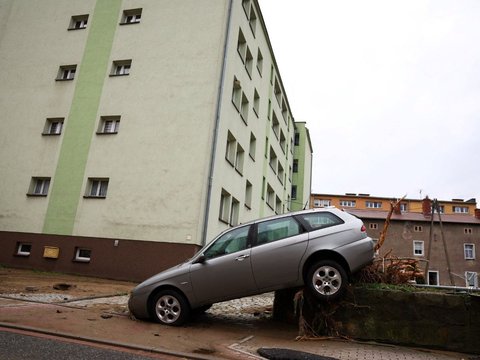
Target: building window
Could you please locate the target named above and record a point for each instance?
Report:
(248, 194)
(259, 62)
(23, 249)
(239, 158)
(275, 125)
(460, 209)
(66, 72)
(225, 200)
(53, 126)
(468, 231)
(278, 92)
(97, 188)
(256, 103)
(296, 140)
(109, 125)
(253, 146)
(295, 166)
(403, 207)
(231, 149)
(418, 248)
(471, 279)
(418, 228)
(321, 203)
(373, 226)
(132, 16)
(294, 192)
(241, 46)
(249, 62)
(253, 20)
(281, 173)
(348, 203)
(121, 68)
(82, 254)
(246, 7)
(273, 160)
(469, 251)
(236, 93)
(244, 108)
(234, 212)
(78, 22)
(270, 197)
(278, 205)
(39, 186)
(283, 141)
(433, 278)
(373, 204)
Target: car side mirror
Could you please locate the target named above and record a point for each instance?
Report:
(201, 259)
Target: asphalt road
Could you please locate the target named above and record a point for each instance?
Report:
(15, 346)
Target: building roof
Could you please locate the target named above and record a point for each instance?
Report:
(411, 216)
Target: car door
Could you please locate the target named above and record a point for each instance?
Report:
(226, 271)
(279, 246)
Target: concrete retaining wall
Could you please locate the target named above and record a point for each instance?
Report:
(425, 319)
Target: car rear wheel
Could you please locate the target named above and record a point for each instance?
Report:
(170, 308)
(327, 280)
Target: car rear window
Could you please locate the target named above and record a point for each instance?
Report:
(320, 220)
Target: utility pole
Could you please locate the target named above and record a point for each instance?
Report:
(452, 281)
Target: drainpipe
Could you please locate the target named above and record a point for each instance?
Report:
(215, 130)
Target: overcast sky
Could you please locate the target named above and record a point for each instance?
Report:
(390, 91)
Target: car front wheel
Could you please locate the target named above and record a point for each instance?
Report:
(170, 308)
(327, 280)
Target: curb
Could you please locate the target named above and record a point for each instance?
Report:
(155, 350)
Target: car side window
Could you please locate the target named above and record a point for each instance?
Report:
(273, 230)
(229, 242)
(320, 220)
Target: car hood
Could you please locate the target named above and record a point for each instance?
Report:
(165, 277)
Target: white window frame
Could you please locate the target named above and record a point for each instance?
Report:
(469, 254)
(460, 209)
(437, 275)
(78, 22)
(373, 226)
(234, 212)
(109, 125)
(224, 210)
(97, 188)
(66, 73)
(21, 251)
(132, 16)
(373, 204)
(80, 257)
(39, 186)
(248, 194)
(53, 126)
(421, 249)
(121, 67)
(348, 203)
(468, 276)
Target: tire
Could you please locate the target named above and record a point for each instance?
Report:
(326, 280)
(169, 307)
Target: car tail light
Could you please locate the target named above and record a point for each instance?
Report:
(363, 229)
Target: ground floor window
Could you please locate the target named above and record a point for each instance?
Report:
(433, 278)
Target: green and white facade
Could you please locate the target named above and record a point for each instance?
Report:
(133, 131)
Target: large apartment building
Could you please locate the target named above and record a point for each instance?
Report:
(443, 238)
(134, 131)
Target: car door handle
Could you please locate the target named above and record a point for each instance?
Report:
(242, 257)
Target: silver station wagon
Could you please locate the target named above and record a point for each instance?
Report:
(318, 248)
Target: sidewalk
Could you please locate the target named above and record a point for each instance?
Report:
(230, 330)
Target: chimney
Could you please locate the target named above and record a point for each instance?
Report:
(427, 207)
(477, 213)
